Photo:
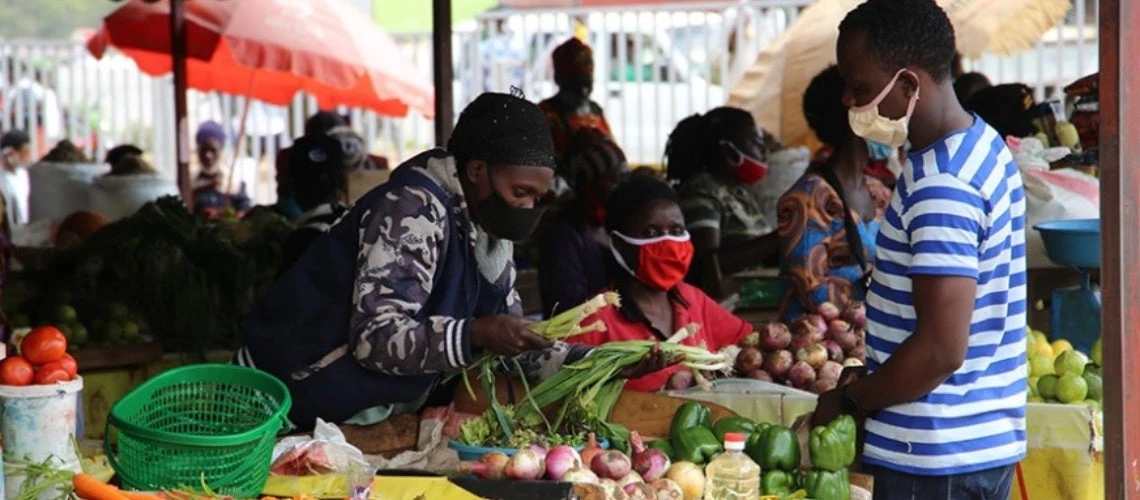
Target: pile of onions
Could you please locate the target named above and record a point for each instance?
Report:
(560, 460)
(580, 476)
(650, 463)
(489, 466)
(611, 464)
(591, 450)
(525, 465)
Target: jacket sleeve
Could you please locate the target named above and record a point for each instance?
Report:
(401, 238)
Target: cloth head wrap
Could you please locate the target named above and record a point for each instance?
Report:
(210, 130)
(503, 129)
(573, 58)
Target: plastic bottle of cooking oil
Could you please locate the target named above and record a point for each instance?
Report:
(732, 475)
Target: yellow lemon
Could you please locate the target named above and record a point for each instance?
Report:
(1040, 365)
(1042, 349)
(1040, 337)
(1061, 345)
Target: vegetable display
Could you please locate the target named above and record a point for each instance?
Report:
(832, 450)
(775, 448)
(41, 359)
(779, 482)
(827, 485)
(741, 425)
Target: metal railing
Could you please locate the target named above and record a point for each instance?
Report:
(653, 66)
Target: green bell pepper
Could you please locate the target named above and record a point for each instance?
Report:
(775, 448)
(832, 446)
(778, 482)
(689, 415)
(662, 444)
(697, 445)
(827, 485)
(733, 424)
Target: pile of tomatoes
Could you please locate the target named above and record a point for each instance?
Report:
(42, 360)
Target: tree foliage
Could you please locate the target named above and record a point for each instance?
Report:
(50, 19)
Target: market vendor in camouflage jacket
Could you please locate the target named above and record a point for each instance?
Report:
(416, 278)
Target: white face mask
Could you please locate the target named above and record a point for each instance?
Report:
(866, 122)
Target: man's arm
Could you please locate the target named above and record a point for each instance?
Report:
(945, 308)
(400, 244)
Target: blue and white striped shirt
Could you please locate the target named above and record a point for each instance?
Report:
(958, 210)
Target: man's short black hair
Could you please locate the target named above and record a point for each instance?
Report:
(904, 33)
(322, 122)
(824, 109)
(14, 139)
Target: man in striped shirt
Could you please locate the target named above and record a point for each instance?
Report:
(944, 400)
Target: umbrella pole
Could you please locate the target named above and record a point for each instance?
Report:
(241, 135)
(442, 70)
(181, 128)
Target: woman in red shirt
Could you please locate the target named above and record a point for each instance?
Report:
(651, 248)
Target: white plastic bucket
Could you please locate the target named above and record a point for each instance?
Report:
(117, 197)
(61, 189)
(38, 422)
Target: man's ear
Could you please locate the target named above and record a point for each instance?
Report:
(910, 82)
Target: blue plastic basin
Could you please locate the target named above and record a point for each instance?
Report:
(468, 453)
(1073, 242)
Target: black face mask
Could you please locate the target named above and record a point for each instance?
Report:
(505, 221)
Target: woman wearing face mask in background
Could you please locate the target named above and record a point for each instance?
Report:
(830, 216)
(714, 158)
(575, 249)
(652, 251)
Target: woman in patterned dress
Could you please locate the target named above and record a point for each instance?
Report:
(828, 220)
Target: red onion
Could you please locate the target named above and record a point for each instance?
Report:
(749, 359)
(667, 489)
(639, 491)
(538, 449)
(650, 463)
(778, 363)
(561, 459)
(680, 380)
(852, 362)
(591, 450)
(821, 386)
(815, 355)
(580, 476)
(809, 326)
(759, 375)
(489, 466)
(750, 340)
(834, 352)
(612, 464)
(846, 340)
(801, 375)
(855, 313)
(775, 336)
(612, 490)
(525, 465)
(830, 371)
(858, 352)
(835, 327)
(631, 477)
(828, 311)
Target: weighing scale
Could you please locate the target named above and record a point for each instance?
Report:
(1074, 311)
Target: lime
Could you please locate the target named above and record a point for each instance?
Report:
(1096, 352)
(1072, 388)
(130, 330)
(1040, 365)
(1095, 386)
(113, 332)
(1047, 386)
(1092, 368)
(78, 335)
(1032, 383)
(1034, 399)
(117, 311)
(1060, 345)
(1040, 336)
(1070, 362)
(65, 314)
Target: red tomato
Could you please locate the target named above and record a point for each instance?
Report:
(15, 370)
(52, 373)
(44, 345)
(70, 365)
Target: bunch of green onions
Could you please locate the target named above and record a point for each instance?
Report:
(568, 323)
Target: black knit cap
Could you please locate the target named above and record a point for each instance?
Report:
(503, 129)
(633, 195)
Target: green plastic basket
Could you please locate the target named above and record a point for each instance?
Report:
(213, 424)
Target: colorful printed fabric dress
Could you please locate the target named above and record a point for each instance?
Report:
(816, 264)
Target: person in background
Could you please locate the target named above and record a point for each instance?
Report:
(318, 165)
(416, 279)
(573, 256)
(944, 397)
(117, 153)
(1008, 108)
(652, 249)
(967, 85)
(210, 196)
(320, 123)
(829, 218)
(571, 109)
(714, 159)
(15, 185)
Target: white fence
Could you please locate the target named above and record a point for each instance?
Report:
(653, 67)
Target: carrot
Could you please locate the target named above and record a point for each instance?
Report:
(89, 488)
(135, 495)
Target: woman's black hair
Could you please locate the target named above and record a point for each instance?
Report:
(827, 116)
(1006, 108)
(633, 195)
(824, 109)
(968, 84)
(695, 141)
(590, 156)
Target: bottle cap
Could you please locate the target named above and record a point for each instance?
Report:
(733, 441)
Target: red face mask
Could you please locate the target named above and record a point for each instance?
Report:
(748, 170)
(662, 262)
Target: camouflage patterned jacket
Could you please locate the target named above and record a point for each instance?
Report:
(397, 257)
